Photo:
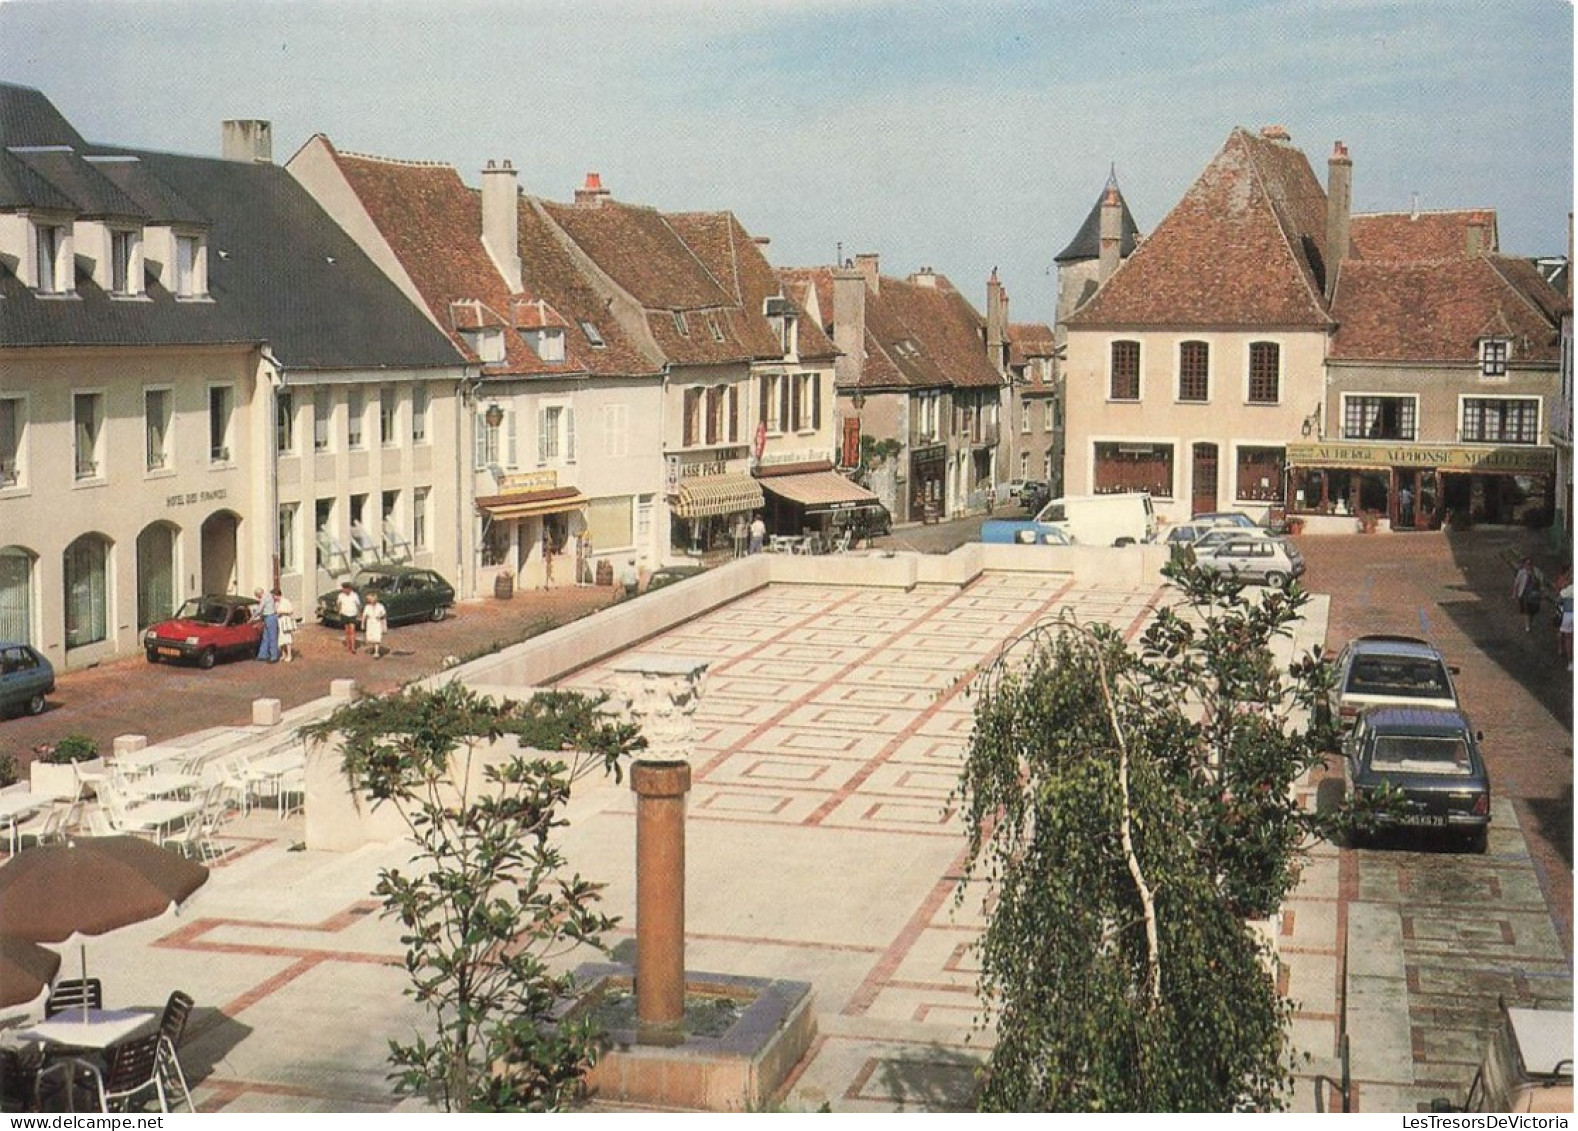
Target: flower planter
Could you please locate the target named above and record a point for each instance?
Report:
(504, 586)
(60, 779)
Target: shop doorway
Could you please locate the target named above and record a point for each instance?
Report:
(1203, 491)
(1414, 499)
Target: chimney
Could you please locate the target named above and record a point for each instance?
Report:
(592, 192)
(1111, 248)
(247, 139)
(1339, 211)
(1478, 227)
(500, 224)
(1276, 133)
(925, 277)
(867, 265)
(849, 325)
(996, 320)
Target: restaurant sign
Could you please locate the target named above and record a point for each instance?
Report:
(1445, 457)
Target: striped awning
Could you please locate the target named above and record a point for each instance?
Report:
(712, 495)
(820, 491)
(528, 504)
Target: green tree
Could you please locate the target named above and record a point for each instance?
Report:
(485, 907)
(1129, 808)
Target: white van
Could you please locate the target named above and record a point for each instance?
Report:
(1102, 520)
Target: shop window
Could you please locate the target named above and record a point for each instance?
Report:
(1260, 474)
(1379, 418)
(1134, 467)
(1340, 490)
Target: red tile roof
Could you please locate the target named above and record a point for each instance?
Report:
(1242, 248)
(1027, 341)
(1420, 235)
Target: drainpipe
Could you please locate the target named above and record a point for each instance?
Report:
(467, 566)
(275, 377)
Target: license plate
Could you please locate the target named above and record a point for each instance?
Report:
(169, 651)
(1424, 820)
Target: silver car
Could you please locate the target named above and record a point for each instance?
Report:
(1269, 561)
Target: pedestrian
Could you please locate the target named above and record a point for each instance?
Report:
(548, 551)
(286, 610)
(1526, 592)
(374, 618)
(1564, 628)
(1405, 507)
(268, 613)
(758, 533)
(630, 578)
(349, 607)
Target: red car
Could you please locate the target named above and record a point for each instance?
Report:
(205, 629)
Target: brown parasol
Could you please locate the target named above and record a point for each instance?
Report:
(25, 969)
(91, 886)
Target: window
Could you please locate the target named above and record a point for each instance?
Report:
(1024, 416)
(389, 520)
(1194, 371)
(556, 434)
(322, 416)
(608, 522)
(1493, 353)
(190, 281)
(1260, 474)
(12, 424)
(928, 416)
(592, 335)
(1378, 418)
(681, 327)
(51, 262)
(16, 594)
(547, 343)
(692, 417)
(419, 414)
(716, 405)
(156, 426)
(643, 520)
(616, 431)
(419, 499)
(323, 527)
(1125, 384)
(717, 330)
(1503, 420)
(1126, 466)
(289, 555)
(87, 411)
(771, 390)
(1024, 465)
(284, 421)
(85, 569)
(221, 405)
(387, 409)
(486, 437)
(122, 246)
(806, 402)
(355, 412)
(1265, 373)
(1049, 416)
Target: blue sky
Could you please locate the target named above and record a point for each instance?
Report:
(960, 136)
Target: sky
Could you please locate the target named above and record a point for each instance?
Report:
(962, 136)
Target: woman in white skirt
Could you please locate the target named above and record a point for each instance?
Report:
(374, 618)
(287, 626)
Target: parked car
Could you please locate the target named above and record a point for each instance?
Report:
(1431, 758)
(1227, 518)
(1382, 670)
(1528, 1065)
(1216, 535)
(1248, 558)
(205, 629)
(864, 523)
(668, 575)
(26, 677)
(1187, 533)
(409, 593)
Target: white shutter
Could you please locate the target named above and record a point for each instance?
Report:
(542, 437)
(509, 439)
(479, 441)
(569, 434)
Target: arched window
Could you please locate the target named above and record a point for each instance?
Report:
(16, 594)
(86, 570)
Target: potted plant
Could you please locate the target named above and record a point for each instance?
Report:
(1368, 522)
(58, 769)
(1295, 525)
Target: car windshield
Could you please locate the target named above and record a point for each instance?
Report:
(206, 612)
(1389, 675)
(1421, 754)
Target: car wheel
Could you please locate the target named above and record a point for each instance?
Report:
(439, 613)
(1277, 579)
(1124, 542)
(206, 658)
(153, 657)
(1478, 842)
(36, 705)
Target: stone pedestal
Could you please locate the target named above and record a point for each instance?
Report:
(660, 789)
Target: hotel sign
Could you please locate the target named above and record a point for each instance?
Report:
(1445, 457)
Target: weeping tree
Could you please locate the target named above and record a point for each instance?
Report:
(1129, 809)
(487, 905)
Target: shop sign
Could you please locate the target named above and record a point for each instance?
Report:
(1446, 457)
(671, 475)
(191, 497)
(704, 470)
(524, 481)
(805, 455)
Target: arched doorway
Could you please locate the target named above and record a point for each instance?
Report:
(17, 574)
(86, 574)
(157, 572)
(219, 552)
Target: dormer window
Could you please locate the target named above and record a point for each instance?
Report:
(191, 267)
(547, 343)
(123, 248)
(486, 342)
(1493, 354)
(52, 261)
(717, 330)
(592, 335)
(681, 327)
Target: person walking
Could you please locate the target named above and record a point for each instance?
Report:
(630, 578)
(1564, 628)
(349, 607)
(374, 619)
(268, 613)
(1526, 592)
(286, 610)
(758, 533)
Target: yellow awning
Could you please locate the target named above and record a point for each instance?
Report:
(529, 504)
(712, 495)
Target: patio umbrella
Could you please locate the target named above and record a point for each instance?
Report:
(91, 886)
(25, 969)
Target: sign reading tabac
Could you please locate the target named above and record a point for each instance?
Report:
(1446, 457)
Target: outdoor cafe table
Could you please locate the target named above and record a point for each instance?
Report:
(164, 783)
(15, 806)
(70, 1030)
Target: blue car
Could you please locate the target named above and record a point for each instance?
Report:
(25, 679)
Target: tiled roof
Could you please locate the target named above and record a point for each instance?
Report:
(1439, 310)
(28, 117)
(721, 242)
(1086, 243)
(1027, 341)
(1419, 235)
(1242, 248)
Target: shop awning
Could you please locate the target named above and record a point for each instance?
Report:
(712, 495)
(529, 504)
(820, 491)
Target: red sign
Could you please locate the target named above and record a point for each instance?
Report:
(849, 456)
(761, 439)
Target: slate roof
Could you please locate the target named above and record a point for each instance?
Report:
(1086, 243)
(1439, 310)
(1241, 248)
(1419, 235)
(918, 336)
(280, 271)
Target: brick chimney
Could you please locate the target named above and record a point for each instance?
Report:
(247, 139)
(1275, 133)
(500, 223)
(1477, 236)
(1339, 212)
(867, 265)
(996, 322)
(849, 325)
(592, 192)
(1111, 247)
